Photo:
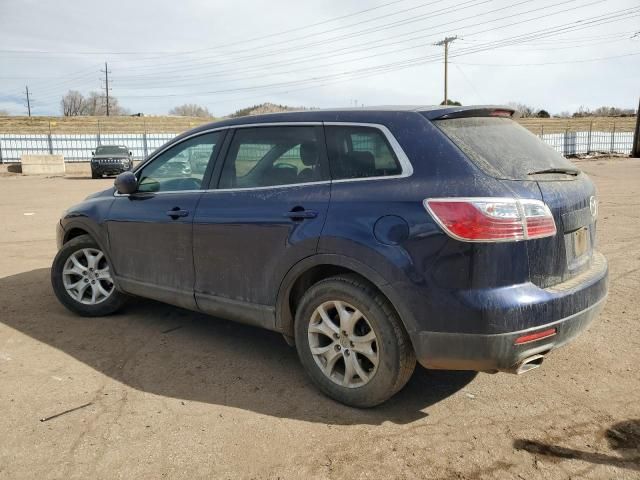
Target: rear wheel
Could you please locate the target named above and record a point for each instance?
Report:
(82, 281)
(94, 174)
(352, 343)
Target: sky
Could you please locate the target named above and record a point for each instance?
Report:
(557, 55)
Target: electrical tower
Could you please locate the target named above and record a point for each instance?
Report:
(445, 43)
(106, 85)
(26, 91)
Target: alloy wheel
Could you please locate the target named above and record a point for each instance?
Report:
(86, 276)
(343, 344)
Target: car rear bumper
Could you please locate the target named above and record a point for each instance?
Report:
(499, 351)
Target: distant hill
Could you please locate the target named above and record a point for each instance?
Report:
(264, 108)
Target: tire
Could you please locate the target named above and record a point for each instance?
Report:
(94, 174)
(386, 362)
(88, 298)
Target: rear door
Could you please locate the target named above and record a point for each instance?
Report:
(151, 231)
(264, 215)
(532, 169)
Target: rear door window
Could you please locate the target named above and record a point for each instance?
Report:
(272, 156)
(502, 148)
(359, 152)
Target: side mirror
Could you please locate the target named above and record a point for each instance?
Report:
(93, 153)
(130, 153)
(126, 183)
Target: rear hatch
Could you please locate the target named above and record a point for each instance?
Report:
(531, 169)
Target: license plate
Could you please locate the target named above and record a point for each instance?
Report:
(580, 242)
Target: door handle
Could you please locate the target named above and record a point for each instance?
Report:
(299, 214)
(177, 212)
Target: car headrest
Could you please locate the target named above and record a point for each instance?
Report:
(364, 164)
(364, 161)
(309, 153)
(355, 165)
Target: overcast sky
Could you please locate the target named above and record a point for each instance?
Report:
(552, 54)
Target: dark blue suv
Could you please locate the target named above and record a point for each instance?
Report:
(370, 238)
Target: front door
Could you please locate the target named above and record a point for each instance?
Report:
(151, 231)
(266, 214)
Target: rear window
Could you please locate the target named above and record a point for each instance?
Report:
(360, 152)
(112, 150)
(501, 147)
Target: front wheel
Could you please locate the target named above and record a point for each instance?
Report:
(82, 281)
(352, 343)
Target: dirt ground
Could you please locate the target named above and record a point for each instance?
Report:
(167, 393)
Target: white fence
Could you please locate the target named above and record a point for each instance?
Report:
(576, 143)
(78, 148)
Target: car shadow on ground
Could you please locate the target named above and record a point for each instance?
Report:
(176, 353)
(622, 437)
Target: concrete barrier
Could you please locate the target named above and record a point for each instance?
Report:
(74, 169)
(83, 169)
(42, 164)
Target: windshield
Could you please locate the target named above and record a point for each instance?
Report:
(112, 150)
(502, 148)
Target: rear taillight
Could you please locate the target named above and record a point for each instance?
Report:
(492, 219)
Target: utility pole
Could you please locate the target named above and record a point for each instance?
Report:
(635, 150)
(26, 90)
(445, 43)
(106, 85)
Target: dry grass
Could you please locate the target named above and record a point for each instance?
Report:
(180, 124)
(559, 125)
(103, 124)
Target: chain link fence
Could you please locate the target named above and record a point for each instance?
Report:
(78, 147)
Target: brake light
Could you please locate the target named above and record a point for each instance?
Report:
(501, 113)
(492, 219)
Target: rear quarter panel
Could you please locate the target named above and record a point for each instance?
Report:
(423, 266)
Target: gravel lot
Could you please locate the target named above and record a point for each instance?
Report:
(175, 394)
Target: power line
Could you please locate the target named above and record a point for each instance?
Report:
(411, 62)
(275, 34)
(547, 63)
(325, 65)
(560, 29)
(584, 23)
(445, 43)
(336, 52)
(257, 53)
(367, 46)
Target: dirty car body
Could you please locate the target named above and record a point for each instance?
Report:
(480, 237)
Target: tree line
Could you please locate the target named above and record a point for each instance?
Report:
(74, 103)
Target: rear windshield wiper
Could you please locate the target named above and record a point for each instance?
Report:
(566, 171)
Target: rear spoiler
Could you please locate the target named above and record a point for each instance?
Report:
(465, 112)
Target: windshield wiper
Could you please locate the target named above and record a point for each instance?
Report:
(566, 171)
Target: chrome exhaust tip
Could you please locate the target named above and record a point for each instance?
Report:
(528, 364)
